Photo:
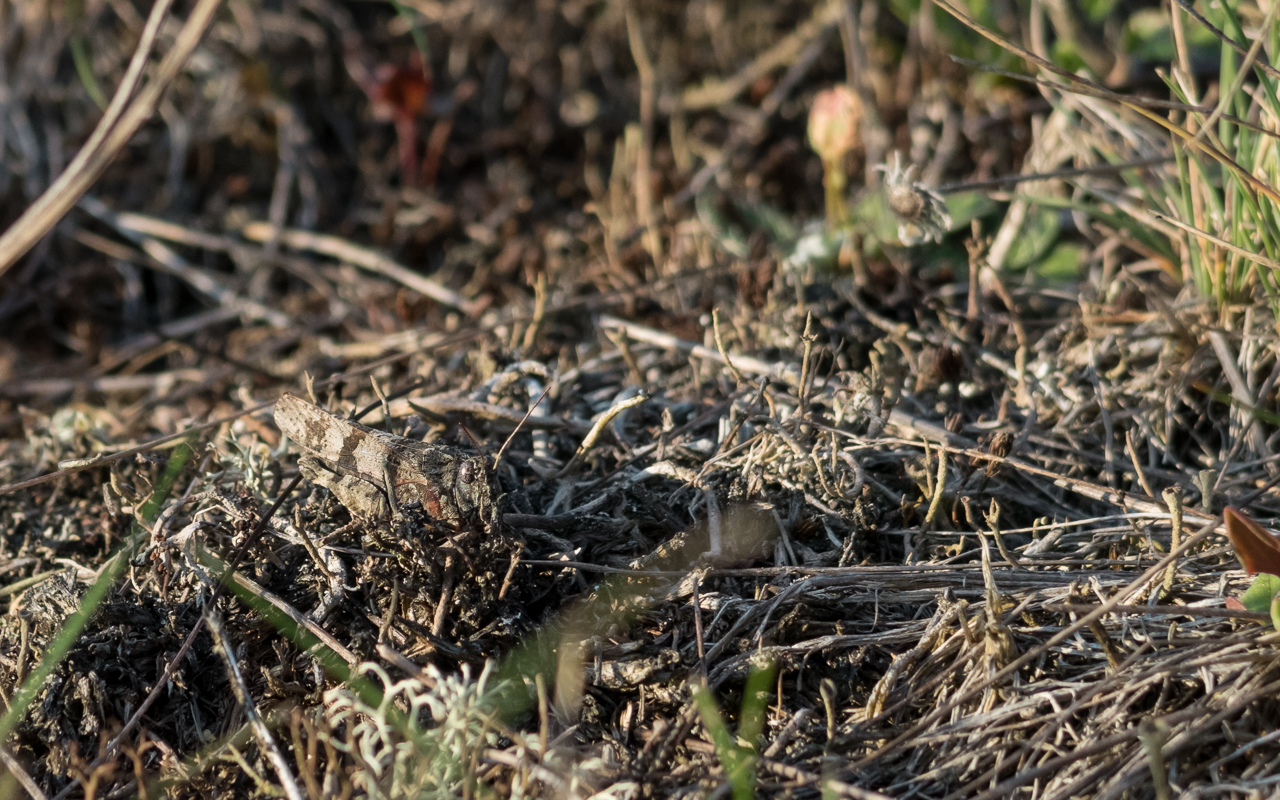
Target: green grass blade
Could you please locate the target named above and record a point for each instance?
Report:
(755, 703)
(84, 70)
(738, 762)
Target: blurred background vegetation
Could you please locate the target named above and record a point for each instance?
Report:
(1022, 187)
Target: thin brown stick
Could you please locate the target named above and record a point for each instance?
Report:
(1260, 64)
(1139, 101)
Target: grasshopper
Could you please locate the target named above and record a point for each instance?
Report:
(373, 473)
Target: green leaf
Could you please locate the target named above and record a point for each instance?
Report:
(1067, 55)
(964, 207)
(1269, 417)
(1062, 265)
(1259, 596)
(1039, 231)
(1147, 35)
(419, 36)
(731, 221)
(1098, 10)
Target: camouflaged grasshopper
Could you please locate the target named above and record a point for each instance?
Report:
(374, 473)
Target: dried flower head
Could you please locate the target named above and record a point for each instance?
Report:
(833, 122)
(921, 212)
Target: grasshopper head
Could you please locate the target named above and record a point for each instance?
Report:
(472, 490)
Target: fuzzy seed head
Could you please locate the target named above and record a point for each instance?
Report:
(906, 202)
(921, 212)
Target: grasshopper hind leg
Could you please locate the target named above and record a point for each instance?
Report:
(390, 487)
(362, 498)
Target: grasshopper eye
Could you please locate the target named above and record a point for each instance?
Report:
(468, 472)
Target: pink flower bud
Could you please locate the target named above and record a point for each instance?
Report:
(833, 122)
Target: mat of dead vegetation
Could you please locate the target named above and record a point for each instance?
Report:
(884, 522)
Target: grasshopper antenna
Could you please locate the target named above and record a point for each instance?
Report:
(498, 458)
(471, 437)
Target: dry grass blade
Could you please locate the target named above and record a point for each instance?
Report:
(1227, 40)
(122, 119)
(1218, 241)
(1193, 141)
(361, 257)
(261, 731)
